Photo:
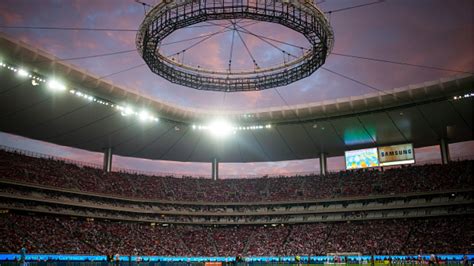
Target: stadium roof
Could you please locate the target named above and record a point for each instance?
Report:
(421, 114)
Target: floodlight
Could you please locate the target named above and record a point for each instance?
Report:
(144, 116)
(126, 111)
(221, 128)
(56, 85)
(22, 73)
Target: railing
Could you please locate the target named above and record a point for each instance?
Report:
(50, 157)
(183, 175)
(140, 172)
(147, 173)
(92, 165)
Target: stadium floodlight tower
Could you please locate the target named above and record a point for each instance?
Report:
(171, 15)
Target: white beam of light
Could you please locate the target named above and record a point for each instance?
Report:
(145, 116)
(56, 85)
(22, 73)
(126, 111)
(221, 128)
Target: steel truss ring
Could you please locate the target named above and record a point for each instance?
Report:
(298, 15)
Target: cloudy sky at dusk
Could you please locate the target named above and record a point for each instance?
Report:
(427, 32)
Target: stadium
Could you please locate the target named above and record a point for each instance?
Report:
(236, 132)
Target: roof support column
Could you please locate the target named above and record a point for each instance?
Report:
(215, 169)
(323, 163)
(444, 149)
(107, 166)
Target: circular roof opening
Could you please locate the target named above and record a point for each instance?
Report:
(301, 16)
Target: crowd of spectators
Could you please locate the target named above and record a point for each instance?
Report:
(47, 200)
(62, 234)
(308, 238)
(59, 234)
(59, 208)
(47, 172)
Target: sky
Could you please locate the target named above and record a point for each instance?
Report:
(435, 33)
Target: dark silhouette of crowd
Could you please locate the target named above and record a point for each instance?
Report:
(53, 173)
(60, 234)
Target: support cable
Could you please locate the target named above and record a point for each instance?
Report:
(248, 50)
(299, 120)
(385, 93)
(403, 63)
(274, 40)
(231, 49)
(269, 43)
(201, 41)
(353, 7)
(65, 28)
(85, 56)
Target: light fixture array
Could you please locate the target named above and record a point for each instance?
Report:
(234, 128)
(58, 86)
(126, 110)
(467, 95)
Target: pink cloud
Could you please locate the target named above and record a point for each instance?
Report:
(11, 18)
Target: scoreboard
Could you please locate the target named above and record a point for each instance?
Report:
(380, 156)
(364, 158)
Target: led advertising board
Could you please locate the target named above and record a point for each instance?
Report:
(364, 158)
(396, 154)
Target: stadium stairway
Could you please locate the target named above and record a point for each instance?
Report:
(247, 244)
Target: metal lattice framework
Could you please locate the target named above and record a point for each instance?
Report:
(298, 15)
